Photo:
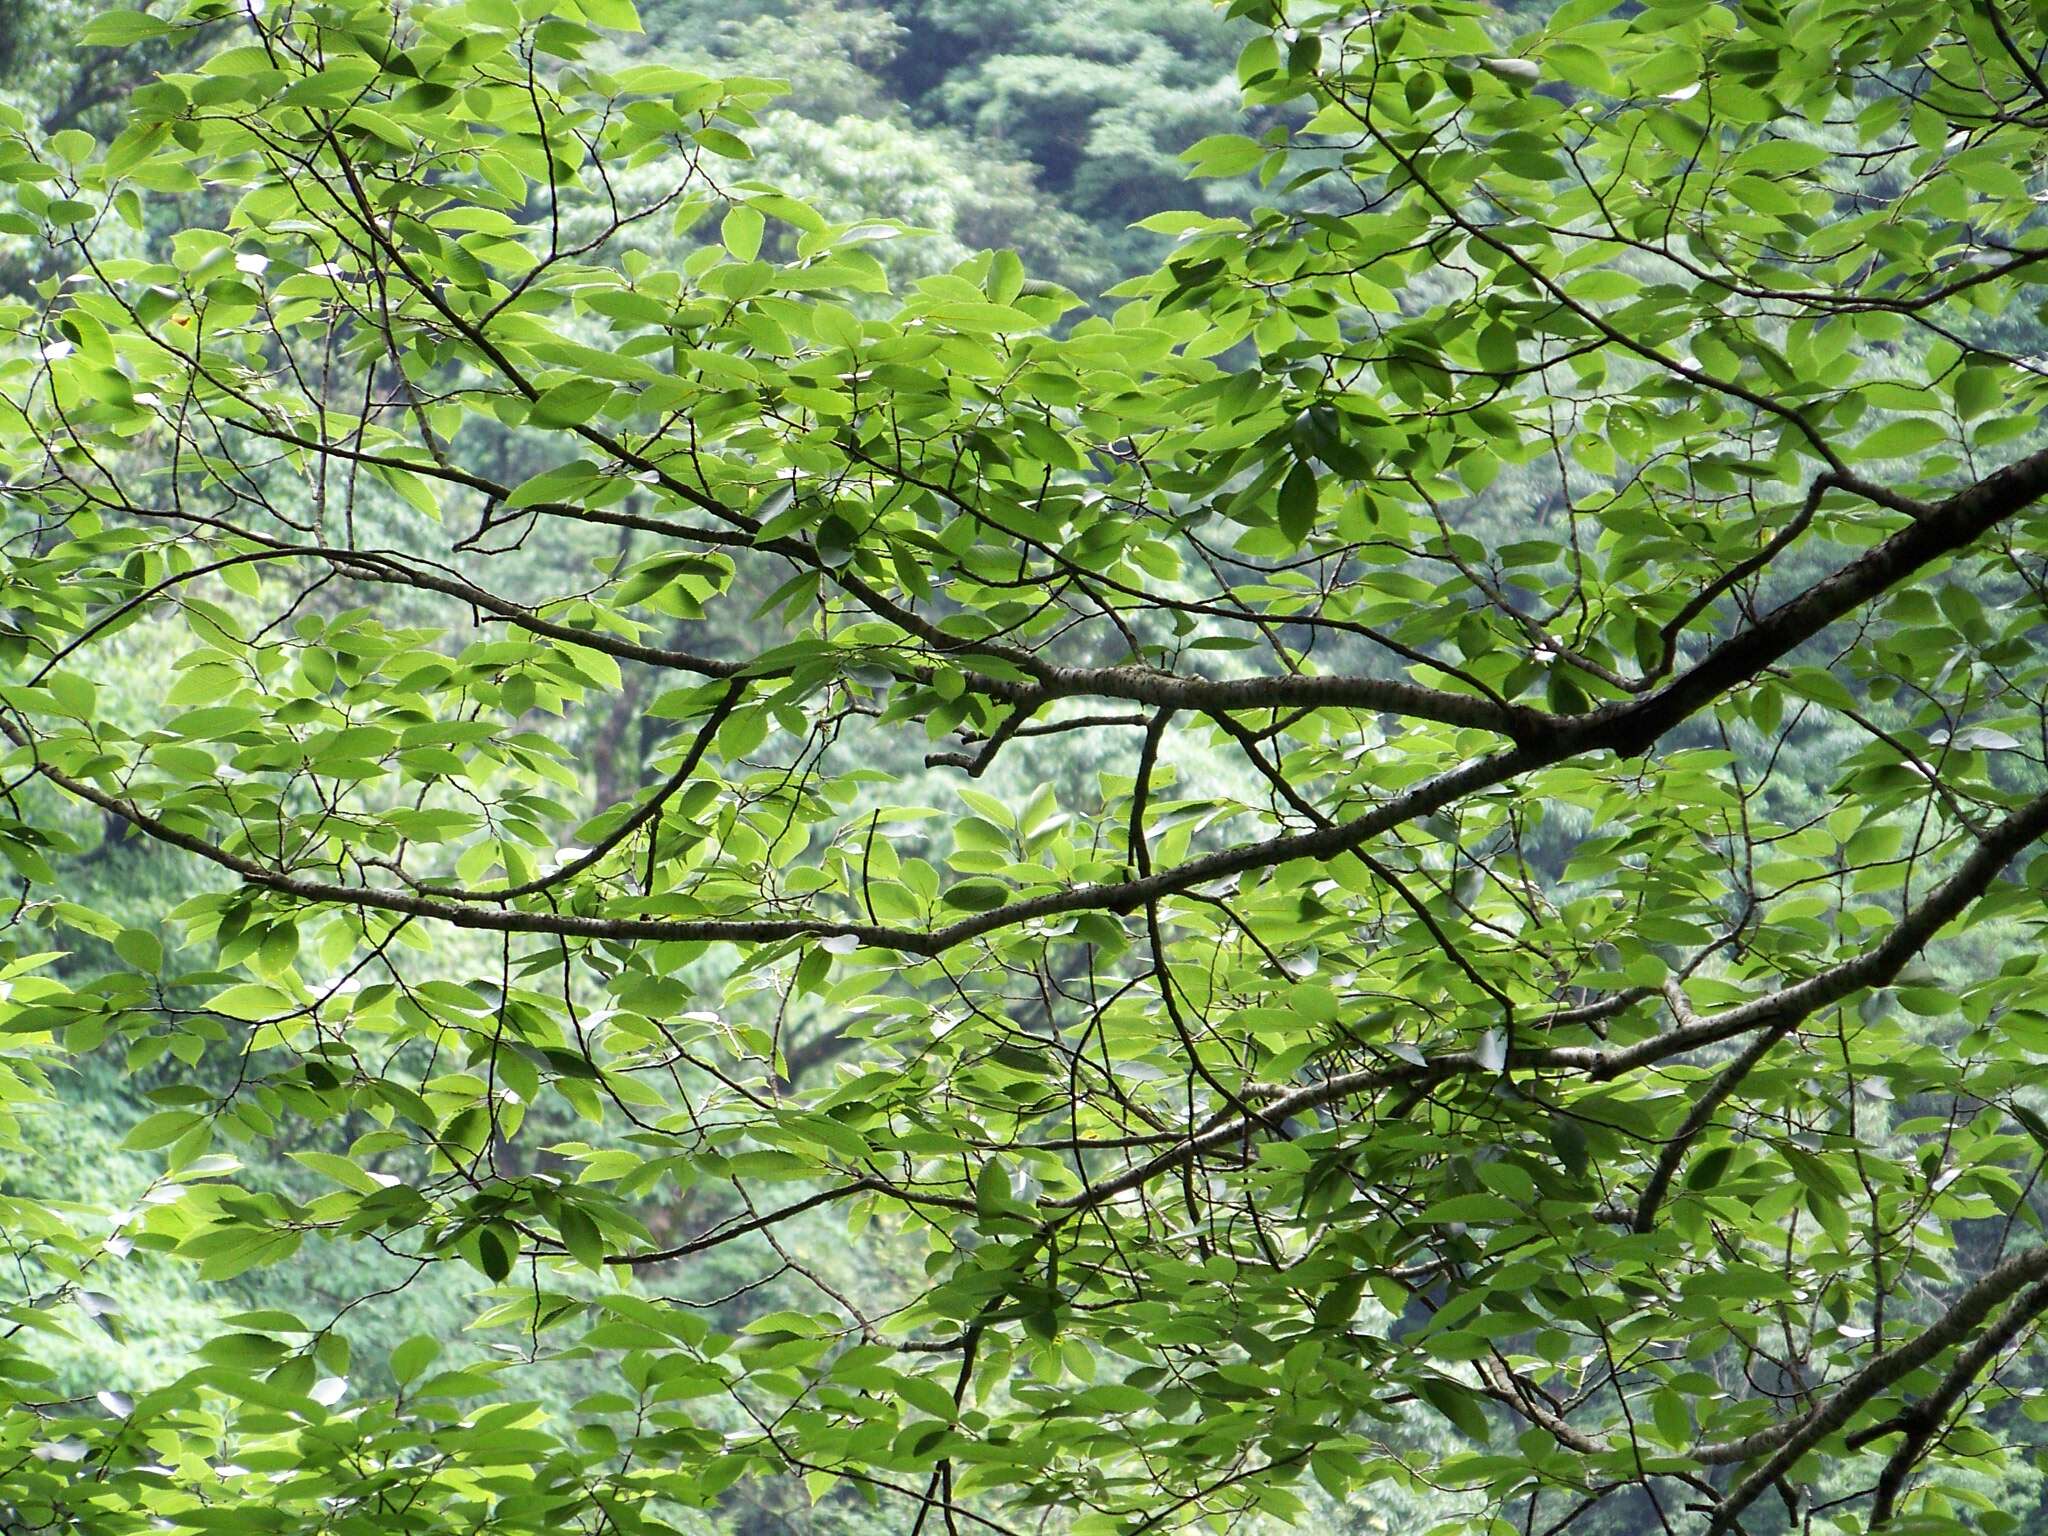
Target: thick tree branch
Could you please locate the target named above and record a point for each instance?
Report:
(1783, 1445)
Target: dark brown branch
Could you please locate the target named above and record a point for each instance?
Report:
(1922, 1421)
(1877, 966)
(1698, 1118)
(1788, 1442)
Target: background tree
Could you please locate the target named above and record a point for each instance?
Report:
(1336, 875)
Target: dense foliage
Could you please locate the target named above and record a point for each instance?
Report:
(1386, 875)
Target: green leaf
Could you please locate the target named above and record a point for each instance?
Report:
(570, 404)
(581, 1237)
(161, 1129)
(741, 232)
(1901, 439)
(251, 1000)
(496, 1250)
(1298, 503)
(1568, 1141)
(1978, 390)
(1674, 1423)
(340, 1169)
(412, 1357)
(72, 145)
(140, 948)
(992, 1189)
(2032, 1124)
(121, 29)
(1223, 154)
(615, 15)
(1457, 1403)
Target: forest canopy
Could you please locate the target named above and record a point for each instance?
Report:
(1386, 874)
